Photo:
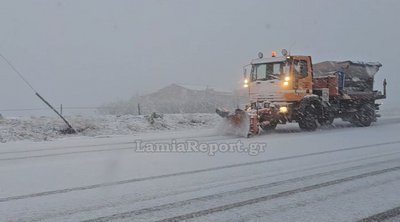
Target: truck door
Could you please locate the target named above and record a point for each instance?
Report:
(303, 75)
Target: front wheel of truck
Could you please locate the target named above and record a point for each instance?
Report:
(308, 119)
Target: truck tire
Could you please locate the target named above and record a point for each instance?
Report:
(326, 120)
(364, 116)
(308, 119)
(269, 127)
(310, 110)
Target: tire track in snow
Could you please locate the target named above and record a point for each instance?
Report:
(197, 189)
(134, 147)
(207, 137)
(316, 198)
(183, 173)
(274, 196)
(90, 150)
(177, 204)
(382, 216)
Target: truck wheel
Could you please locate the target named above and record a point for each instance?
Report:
(308, 119)
(301, 125)
(327, 120)
(269, 127)
(364, 116)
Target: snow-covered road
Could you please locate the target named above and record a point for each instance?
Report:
(343, 173)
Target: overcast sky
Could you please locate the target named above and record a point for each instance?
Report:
(87, 52)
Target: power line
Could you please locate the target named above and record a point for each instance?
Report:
(65, 108)
(18, 73)
(28, 109)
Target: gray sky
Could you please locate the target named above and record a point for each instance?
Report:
(85, 53)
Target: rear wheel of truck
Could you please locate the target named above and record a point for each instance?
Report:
(364, 116)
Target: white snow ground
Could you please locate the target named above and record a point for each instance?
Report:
(340, 173)
(48, 128)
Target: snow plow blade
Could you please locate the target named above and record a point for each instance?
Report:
(237, 123)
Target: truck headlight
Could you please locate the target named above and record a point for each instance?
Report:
(283, 109)
(246, 83)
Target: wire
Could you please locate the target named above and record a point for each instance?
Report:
(64, 108)
(70, 128)
(17, 72)
(28, 109)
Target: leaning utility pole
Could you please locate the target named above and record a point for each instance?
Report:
(70, 128)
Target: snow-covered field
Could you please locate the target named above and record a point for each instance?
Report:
(48, 128)
(341, 173)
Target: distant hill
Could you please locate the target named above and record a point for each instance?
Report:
(177, 98)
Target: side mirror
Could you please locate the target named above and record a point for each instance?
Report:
(247, 68)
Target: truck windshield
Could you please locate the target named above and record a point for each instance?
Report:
(269, 71)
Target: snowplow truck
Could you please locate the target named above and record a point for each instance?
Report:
(292, 89)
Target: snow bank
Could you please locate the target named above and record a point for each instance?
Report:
(48, 128)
